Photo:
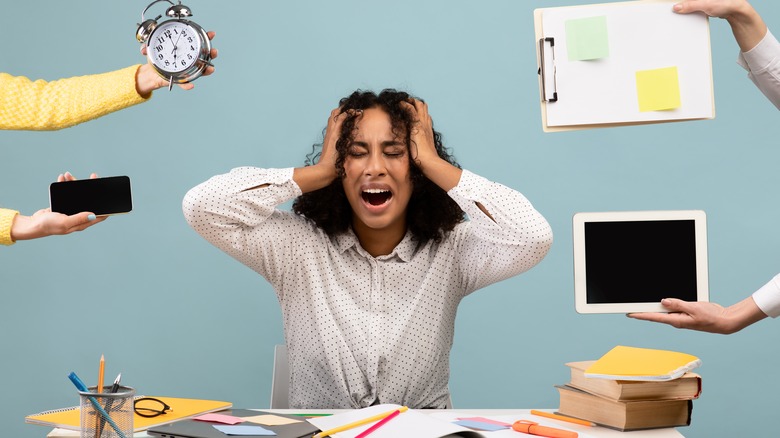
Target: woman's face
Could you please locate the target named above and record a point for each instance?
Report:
(377, 180)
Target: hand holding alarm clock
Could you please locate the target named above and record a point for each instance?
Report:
(178, 49)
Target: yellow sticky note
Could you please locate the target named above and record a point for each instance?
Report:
(270, 420)
(658, 89)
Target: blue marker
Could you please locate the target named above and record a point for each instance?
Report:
(83, 388)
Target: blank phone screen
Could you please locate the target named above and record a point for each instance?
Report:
(640, 261)
(102, 196)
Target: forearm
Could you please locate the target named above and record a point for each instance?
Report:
(41, 105)
(747, 26)
(311, 178)
(740, 315)
(441, 173)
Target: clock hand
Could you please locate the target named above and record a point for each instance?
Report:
(176, 46)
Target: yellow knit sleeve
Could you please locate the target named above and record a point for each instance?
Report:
(40, 105)
(6, 219)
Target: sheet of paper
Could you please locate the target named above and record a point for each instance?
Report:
(485, 420)
(480, 425)
(245, 430)
(219, 418)
(271, 420)
(586, 38)
(658, 89)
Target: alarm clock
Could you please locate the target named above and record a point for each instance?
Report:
(178, 48)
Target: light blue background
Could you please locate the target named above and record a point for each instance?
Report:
(179, 318)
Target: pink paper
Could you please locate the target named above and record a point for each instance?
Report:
(220, 418)
(486, 420)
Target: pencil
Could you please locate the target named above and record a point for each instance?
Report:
(378, 424)
(561, 417)
(99, 390)
(357, 423)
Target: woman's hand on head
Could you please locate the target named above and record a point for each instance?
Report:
(423, 147)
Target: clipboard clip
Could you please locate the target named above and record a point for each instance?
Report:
(546, 71)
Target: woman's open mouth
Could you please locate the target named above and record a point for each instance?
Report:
(376, 196)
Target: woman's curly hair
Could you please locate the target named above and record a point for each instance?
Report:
(430, 212)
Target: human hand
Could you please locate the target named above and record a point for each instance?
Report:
(713, 8)
(147, 79)
(705, 316)
(423, 147)
(45, 222)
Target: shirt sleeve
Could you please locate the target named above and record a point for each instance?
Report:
(6, 220)
(516, 239)
(236, 212)
(40, 105)
(763, 65)
(768, 297)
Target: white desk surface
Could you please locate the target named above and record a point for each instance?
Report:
(600, 432)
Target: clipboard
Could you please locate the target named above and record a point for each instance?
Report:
(645, 50)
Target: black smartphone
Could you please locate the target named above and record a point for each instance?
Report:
(101, 196)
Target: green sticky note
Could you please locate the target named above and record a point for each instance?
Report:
(586, 38)
(658, 89)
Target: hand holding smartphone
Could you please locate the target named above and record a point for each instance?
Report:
(101, 196)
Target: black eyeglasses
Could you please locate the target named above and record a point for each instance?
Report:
(150, 407)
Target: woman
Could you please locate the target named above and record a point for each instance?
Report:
(370, 267)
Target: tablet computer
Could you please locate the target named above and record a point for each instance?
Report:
(628, 261)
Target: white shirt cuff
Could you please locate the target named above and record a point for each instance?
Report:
(760, 56)
(768, 297)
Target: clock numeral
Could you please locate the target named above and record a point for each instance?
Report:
(183, 63)
(160, 40)
(189, 56)
(168, 33)
(189, 39)
(158, 47)
(192, 48)
(176, 30)
(167, 63)
(160, 56)
(183, 33)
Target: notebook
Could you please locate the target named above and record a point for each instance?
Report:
(632, 363)
(202, 429)
(70, 418)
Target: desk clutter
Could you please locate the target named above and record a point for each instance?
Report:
(609, 391)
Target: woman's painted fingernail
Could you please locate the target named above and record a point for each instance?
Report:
(91, 217)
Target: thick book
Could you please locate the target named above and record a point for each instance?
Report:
(624, 415)
(70, 418)
(687, 387)
(632, 363)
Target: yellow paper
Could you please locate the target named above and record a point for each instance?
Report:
(270, 420)
(658, 90)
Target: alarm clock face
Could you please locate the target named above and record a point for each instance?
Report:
(174, 47)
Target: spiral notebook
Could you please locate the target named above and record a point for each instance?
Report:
(70, 418)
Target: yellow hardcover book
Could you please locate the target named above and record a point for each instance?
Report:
(70, 418)
(632, 363)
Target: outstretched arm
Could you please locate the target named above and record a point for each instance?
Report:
(706, 317)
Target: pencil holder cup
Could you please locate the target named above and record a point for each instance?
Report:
(107, 414)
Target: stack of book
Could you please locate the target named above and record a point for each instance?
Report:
(663, 400)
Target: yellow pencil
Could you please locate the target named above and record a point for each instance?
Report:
(354, 424)
(101, 373)
(561, 417)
